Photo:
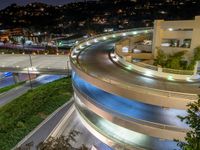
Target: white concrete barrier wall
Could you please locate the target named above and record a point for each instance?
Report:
(154, 73)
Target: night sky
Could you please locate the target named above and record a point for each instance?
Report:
(5, 3)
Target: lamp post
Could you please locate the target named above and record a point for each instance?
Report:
(29, 76)
(68, 67)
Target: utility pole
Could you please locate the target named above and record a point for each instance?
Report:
(29, 76)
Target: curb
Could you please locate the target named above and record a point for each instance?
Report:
(58, 128)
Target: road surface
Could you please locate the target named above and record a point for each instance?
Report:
(95, 59)
(18, 91)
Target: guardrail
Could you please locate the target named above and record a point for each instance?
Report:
(78, 48)
(36, 70)
(166, 70)
(154, 71)
(144, 65)
(116, 113)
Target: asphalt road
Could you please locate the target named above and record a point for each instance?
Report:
(10, 81)
(18, 91)
(95, 59)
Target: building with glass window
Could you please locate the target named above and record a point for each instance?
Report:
(175, 36)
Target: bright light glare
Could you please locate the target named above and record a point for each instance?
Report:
(148, 73)
(124, 34)
(73, 55)
(188, 79)
(95, 40)
(104, 38)
(81, 47)
(114, 36)
(32, 69)
(134, 32)
(112, 54)
(115, 59)
(76, 51)
(170, 77)
(170, 29)
(129, 67)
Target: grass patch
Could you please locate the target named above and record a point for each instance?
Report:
(7, 88)
(23, 114)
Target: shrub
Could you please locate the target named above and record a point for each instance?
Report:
(195, 58)
(23, 114)
(170, 61)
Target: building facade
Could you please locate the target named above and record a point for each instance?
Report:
(175, 36)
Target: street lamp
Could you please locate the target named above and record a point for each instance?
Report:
(29, 76)
(68, 72)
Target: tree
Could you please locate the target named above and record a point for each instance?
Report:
(192, 139)
(175, 60)
(170, 61)
(161, 58)
(60, 143)
(195, 58)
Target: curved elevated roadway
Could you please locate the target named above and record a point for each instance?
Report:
(95, 59)
(129, 108)
(96, 63)
(126, 100)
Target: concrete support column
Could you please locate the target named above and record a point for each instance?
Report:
(195, 33)
(16, 77)
(157, 36)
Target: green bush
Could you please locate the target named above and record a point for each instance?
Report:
(161, 58)
(23, 114)
(174, 61)
(195, 58)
